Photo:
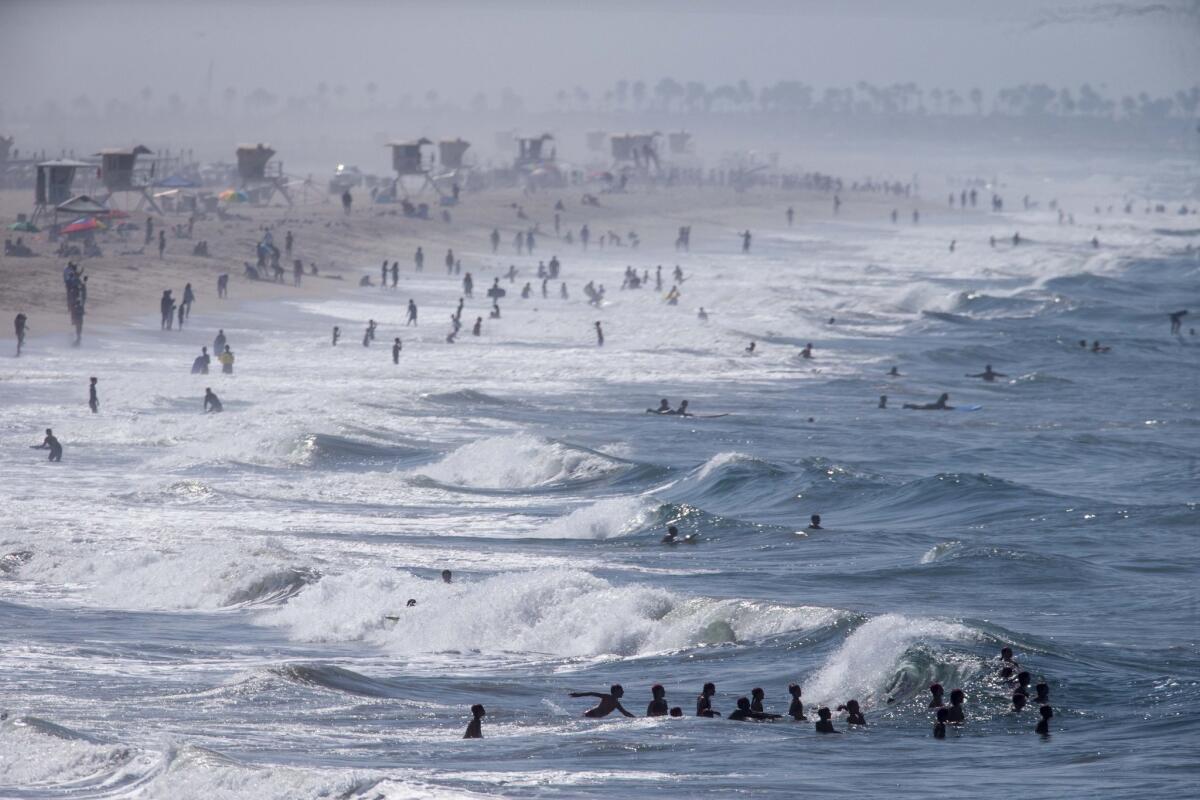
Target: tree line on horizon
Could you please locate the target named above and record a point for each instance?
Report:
(666, 96)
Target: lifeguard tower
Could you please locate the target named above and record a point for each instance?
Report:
(410, 161)
(451, 153)
(529, 152)
(257, 177)
(639, 150)
(119, 173)
(680, 143)
(53, 184)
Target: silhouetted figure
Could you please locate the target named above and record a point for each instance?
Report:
(475, 726)
(93, 400)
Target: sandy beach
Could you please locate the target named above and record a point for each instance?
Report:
(125, 285)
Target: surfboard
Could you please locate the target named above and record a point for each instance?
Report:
(974, 407)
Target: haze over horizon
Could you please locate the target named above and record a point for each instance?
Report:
(460, 48)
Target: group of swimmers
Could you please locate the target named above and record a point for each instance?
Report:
(751, 708)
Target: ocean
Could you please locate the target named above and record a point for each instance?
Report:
(215, 606)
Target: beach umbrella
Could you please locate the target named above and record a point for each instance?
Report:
(24, 227)
(233, 196)
(84, 224)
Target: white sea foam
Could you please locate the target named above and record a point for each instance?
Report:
(562, 613)
(519, 461)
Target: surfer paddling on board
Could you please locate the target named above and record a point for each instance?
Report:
(664, 407)
(609, 702)
(681, 411)
(939, 405)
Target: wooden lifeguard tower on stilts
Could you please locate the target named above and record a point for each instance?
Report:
(638, 151)
(257, 177)
(410, 162)
(53, 184)
(119, 173)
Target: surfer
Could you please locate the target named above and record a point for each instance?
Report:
(1097, 348)
(663, 408)
(93, 400)
(682, 410)
(824, 721)
(883, 401)
(796, 709)
(672, 536)
(599, 335)
(894, 372)
(756, 699)
(447, 576)
(704, 701)
(807, 351)
(396, 347)
(1018, 701)
(988, 374)
(1006, 658)
(1177, 321)
(201, 362)
(939, 405)
(337, 334)
(814, 523)
(658, 703)
(212, 403)
(744, 712)
(52, 444)
(750, 349)
(1023, 679)
(937, 691)
(609, 702)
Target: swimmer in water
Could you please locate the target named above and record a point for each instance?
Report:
(658, 705)
(894, 372)
(883, 401)
(744, 712)
(987, 374)
(854, 715)
(824, 721)
(1018, 701)
(938, 405)
(1006, 657)
(814, 523)
(475, 726)
(447, 576)
(704, 701)
(1043, 726)
(609, 702)
(1096, 347)
(1177, 321)
(664, 407)
(212, 403)
(672, 536)
(937, 691)
(1043, 693)
(796, 709)
(676, 711)
(1023, 680)
(957, 714)
(756, 699)
(807, 351)
(750, 349)
(939, 727)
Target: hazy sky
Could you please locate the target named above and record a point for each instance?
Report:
(66, 48)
